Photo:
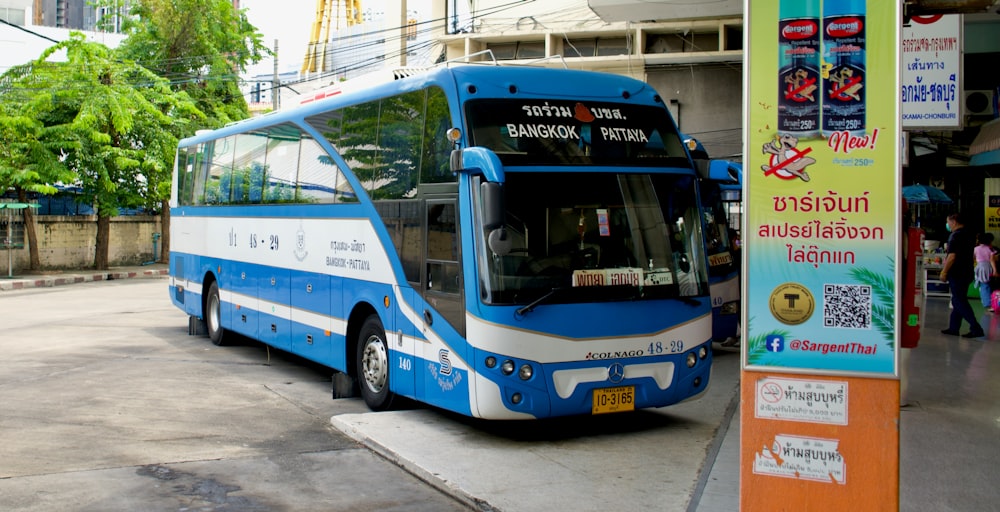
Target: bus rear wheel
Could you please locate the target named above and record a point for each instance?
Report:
(213, 315)
(373, 365)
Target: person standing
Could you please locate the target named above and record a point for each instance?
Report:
(985, 267)
(958, 273)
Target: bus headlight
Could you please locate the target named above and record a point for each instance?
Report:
(702, 353)
(507, 367)
(491, 362)
(526, 372)
(692, 359)
(730, 308)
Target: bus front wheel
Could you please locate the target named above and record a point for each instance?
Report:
(373, 365)
(213, 315)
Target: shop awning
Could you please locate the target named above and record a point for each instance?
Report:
(985, 149)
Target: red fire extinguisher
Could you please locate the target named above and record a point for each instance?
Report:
(913, 287)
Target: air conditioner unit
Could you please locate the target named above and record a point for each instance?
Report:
(978, 102)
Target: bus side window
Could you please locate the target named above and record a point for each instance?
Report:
(436, 149)
(442, 249)
(283, 162)
(220, 168)
(320, 180)
(249, 167)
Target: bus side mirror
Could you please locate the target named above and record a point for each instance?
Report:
(455, 160)
(493, 208)
(493, 217)
(723, 171)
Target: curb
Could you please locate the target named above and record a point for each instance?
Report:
(64, 279)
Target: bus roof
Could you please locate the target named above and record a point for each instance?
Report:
(470, 81)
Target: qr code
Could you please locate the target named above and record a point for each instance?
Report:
(847, 305)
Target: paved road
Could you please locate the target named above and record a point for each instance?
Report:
(108, 405)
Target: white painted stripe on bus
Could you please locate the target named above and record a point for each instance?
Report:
(566, 381)
(725, 291)
(544, 348)
(301, 316)
(485, 399)
(335, 325)
(433, 344)
(662, 373)
(346, 248)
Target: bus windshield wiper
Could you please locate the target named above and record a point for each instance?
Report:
(687, 300)
(531, 306)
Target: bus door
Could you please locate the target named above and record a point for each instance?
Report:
(444, 304)
(443, 281)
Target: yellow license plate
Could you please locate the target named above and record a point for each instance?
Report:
(618, 399)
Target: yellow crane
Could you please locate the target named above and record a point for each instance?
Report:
(326, 12)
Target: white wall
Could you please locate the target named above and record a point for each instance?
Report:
(20, 45)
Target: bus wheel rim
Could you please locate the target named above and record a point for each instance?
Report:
(375, 364)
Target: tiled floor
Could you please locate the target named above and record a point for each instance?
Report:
(949, 435)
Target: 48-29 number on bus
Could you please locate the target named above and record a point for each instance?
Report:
(673, 347)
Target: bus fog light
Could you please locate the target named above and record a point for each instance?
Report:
(696, 381)
(526, 372)
(702, 353)
(691, 359)
(516, 398)
(507, 367)
(491, 362)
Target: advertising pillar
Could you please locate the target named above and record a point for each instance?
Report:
(823, 246)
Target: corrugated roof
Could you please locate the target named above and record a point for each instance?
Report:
(988, 138)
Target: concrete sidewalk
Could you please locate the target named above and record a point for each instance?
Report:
(947, 446)
(49, 278)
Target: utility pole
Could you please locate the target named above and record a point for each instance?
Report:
(276, 83)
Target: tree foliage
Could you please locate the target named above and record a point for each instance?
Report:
(123, 124)
(110, 120)
(105, 123)
(30, 153)
(200, 46)
(30, 156)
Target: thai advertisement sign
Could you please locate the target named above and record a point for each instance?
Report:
(823, 131)
(931, 61)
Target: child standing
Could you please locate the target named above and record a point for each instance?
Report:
(985, 267)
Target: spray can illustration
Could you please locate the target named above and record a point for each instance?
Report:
(798, 68)
(844, 66)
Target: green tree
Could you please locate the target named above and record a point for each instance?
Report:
(117, 122)
(201, 47)
(29, 160)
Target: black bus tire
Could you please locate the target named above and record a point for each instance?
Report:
(213, 315)
(373, 365)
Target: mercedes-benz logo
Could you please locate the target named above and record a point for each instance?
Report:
(616, 372)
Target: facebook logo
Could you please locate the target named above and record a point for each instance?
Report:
(775, 343)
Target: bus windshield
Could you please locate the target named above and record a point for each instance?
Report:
(553, 132)
(717, 232)
(594, 237)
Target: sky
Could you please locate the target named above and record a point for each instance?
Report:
(290, 22)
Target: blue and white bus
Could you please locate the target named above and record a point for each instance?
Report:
(720, 187)
(502, 242)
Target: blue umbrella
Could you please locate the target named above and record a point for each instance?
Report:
(924, 194)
